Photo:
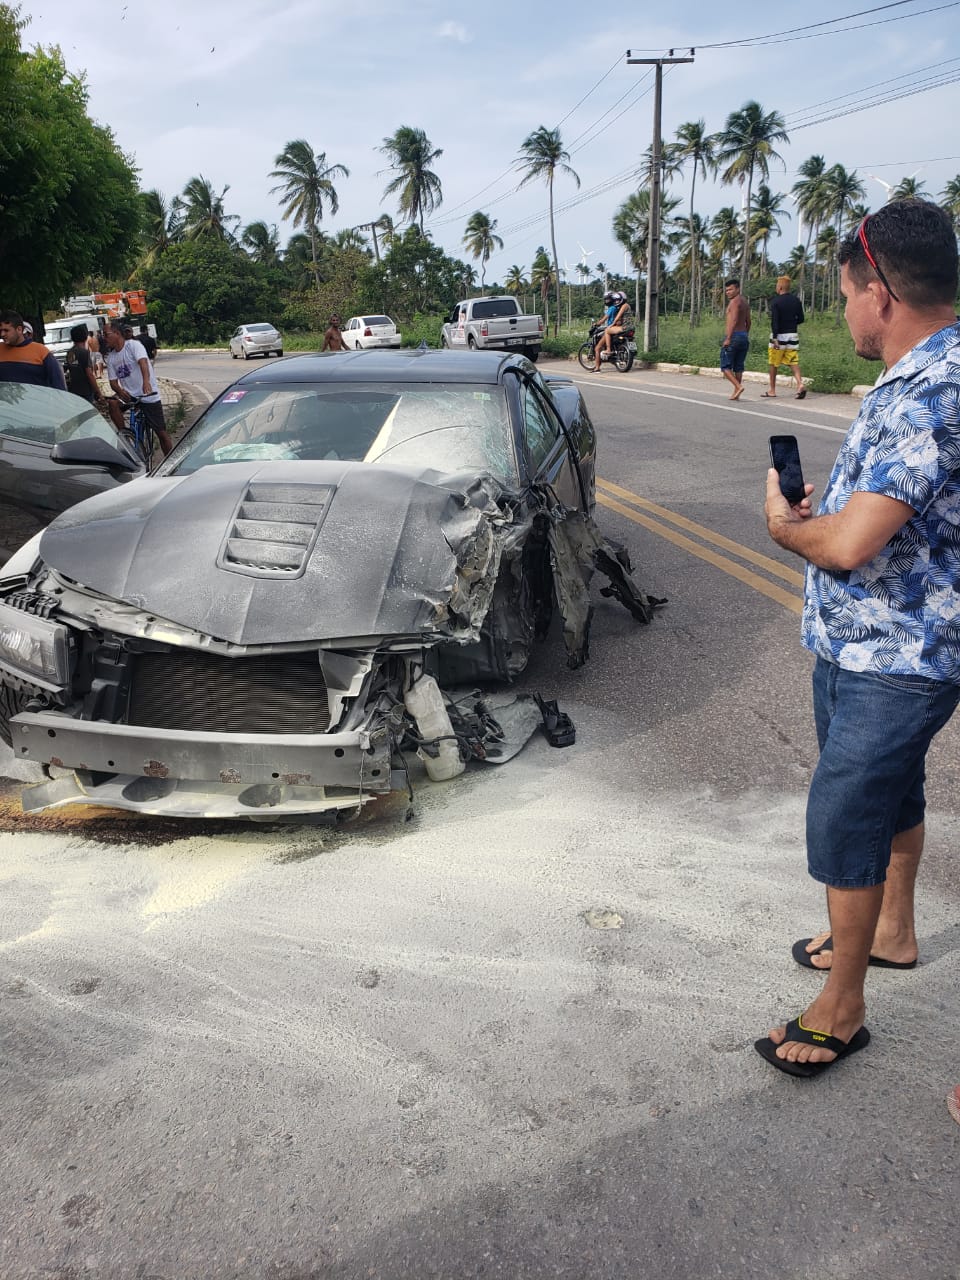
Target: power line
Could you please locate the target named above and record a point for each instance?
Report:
(858, 93)
(908, 92)
(777, 37)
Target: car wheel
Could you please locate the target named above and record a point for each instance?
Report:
(279, 353)
(233, 354)
(531, 353)
(472, 343)
(12, 702)
(244, 353)
(444, 344)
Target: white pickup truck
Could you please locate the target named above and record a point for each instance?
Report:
(493, 324)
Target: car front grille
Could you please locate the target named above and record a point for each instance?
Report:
(206, 692)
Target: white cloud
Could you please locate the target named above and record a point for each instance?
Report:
(454, 31)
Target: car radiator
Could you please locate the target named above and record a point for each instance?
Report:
(204, 692)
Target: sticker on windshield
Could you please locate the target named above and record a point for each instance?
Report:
(233, 396)
(482, 395)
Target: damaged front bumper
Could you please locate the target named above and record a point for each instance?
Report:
(188, 774)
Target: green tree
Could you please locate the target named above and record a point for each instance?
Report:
(693, 143)
(414, 275)
(261, 242)
(810, 192)
(69, 204)
(417, 187)
(542, 279)
(767, 213)
(631, 228)
(157, 233)
(912, 188)
(541, 155)
(201, 289)
(950, 199)
(204, 215)
(842, 188)
(480, 240)
(305, 183)
(515, 281)
(745, 147)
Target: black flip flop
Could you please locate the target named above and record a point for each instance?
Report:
(804, 957)
(806, 1035)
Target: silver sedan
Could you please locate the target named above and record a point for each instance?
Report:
(255, 340)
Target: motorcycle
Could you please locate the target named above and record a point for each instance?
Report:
(622, 352)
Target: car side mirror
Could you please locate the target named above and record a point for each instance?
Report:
(93, 452)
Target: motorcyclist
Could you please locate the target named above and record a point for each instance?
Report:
(617, 323)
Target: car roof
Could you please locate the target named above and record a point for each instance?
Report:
(411, 365)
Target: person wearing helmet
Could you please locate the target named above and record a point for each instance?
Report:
(621, 320)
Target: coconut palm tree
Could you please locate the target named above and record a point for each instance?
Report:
(690, 246)
(765, 220)
(542, 278)
(204, 217)
(157, 235)
(811, 196)
(841, 190)
(631, 228)
(910, 188)
(515, 281)
(261, 242)
(671, 163)
(745, 147)
(480, 241)
(950, 199)
(694, 143)
(541, 156)
(305, 183)
(417, 187)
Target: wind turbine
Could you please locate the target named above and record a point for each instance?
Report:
(890, 186)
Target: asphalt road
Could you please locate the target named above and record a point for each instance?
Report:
(513, 1036)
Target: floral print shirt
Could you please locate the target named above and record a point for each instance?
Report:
(899, 613)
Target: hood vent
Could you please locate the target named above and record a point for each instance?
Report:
(274, 528)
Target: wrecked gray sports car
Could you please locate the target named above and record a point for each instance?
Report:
(264, 625)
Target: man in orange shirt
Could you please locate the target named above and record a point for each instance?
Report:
(24, 360)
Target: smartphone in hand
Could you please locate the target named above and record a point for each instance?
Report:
(785, 458)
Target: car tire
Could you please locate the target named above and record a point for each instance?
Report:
(12, 702)
(532, 353)
(472, 343)
(444, 344)
(244, 354)
(233, 354)
(279, 353)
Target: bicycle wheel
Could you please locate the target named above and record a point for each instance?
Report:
(586, 355)
(142, 433)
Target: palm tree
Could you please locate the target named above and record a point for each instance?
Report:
(542, 278)
(298, 261)
(690, 252)
(841, 190)
(631, 228)
(350, 238)
(745, 146)
(950, 199)
(515, 281)
(694, 143)
(411, 153)
(261, 242)
(811, 196)
(541, 155)
(156, 226)
(765, 220)
(480, 242)
(305, 183)
(203, 213)
(671, 163)
(909, 189)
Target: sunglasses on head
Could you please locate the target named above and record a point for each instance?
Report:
(862, 237)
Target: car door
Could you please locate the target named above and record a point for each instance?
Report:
(352, 334)
(458, 330)
(547, 452)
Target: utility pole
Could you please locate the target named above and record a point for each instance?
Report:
(651, 335)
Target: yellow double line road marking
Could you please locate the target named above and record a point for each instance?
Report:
(614, 498)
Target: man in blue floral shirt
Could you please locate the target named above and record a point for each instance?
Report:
(882, 615)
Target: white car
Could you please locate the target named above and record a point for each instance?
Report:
(370, 331)
(255, 340)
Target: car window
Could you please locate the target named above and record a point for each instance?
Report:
(44, 415)
(259, 328)
(540, 425)
(458, 427)
(371, 320)
(494, 308)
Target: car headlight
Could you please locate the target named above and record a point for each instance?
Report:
(34, 649)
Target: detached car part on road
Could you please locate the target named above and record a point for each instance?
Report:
(263, 626)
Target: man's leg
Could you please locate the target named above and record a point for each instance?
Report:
(116, 415)
(895, 937)
(839, 1009)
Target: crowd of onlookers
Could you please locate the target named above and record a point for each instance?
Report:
(127, 365)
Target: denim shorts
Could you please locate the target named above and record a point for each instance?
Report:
(874, 732)
(734, 356)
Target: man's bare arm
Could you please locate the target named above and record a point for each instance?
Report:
(850, 538)
(145, 374)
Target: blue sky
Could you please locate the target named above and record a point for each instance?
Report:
(218, 87)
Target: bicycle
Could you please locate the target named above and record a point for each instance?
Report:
(138, 435)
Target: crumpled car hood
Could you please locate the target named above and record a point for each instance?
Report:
(381, 551)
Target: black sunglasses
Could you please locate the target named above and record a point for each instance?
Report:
(862, 237)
